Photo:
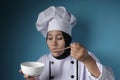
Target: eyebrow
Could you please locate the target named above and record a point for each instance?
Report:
(55, 35)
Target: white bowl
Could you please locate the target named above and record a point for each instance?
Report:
(32, 68)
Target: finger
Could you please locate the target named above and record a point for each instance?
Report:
(73, 55)
(20, 71)
(26, 76)
(33, 78)
(75, 44)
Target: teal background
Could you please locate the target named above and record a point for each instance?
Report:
(98, 29)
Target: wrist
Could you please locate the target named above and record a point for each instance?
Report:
(88, 60)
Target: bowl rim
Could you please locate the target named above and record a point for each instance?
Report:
(42, 64)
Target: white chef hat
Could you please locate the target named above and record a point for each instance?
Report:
(55, 18)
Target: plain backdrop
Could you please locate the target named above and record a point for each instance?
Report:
(98, 29)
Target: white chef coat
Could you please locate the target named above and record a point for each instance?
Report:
(65, 69)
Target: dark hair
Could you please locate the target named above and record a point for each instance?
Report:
(67, 38)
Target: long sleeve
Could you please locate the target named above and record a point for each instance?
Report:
(106, 72)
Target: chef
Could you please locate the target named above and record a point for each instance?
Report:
(66, 60)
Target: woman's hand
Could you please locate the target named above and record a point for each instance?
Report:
(27, 77)
(79, 52)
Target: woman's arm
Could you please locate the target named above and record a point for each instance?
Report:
(92, 67)
(97, 71)
(81, 54)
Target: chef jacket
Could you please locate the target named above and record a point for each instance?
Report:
(71, 69)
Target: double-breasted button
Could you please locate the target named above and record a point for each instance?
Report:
(52, 77)
(52, 62)
(72, 62)
(72, 76)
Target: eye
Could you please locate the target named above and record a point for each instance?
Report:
(49, 38)
(59, 38)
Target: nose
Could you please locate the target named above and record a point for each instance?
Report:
(54, 42)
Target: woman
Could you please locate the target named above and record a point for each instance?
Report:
(66, 61)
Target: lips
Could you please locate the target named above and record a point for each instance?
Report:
(54, 49)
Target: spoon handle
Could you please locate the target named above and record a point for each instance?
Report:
(63, 48)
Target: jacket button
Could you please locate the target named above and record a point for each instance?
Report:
(72, 62)
(72, 76)
(52, 62)
(52, 77)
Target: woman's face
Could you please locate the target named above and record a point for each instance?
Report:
(55, 40)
